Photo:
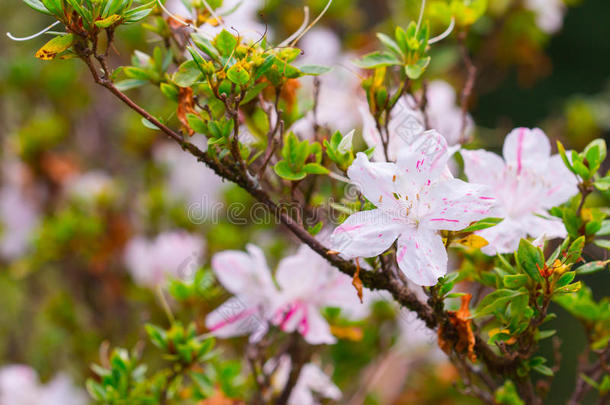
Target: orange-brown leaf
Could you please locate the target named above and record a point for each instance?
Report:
(464, 342)
(186, 105)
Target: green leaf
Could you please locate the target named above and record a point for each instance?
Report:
(149, 124)
(315, 168)
(389, 43)
(515, 281)
(602, 243)
(314, 230)
(530, 259)
(592, 267)
(602, 184)
(482, 224)
(266, 65)
(170, 91)
(84, 13)
(129, 84)
(415, 71)
(54, 6)
(575, 250)
(238, 75)
(605, 229)
(108, 21)
(284, 170)
(377, 59)
(495, 301)
(254, 91)
(565, 279)
(580, 168)
(314, 70)
(137, 73)
(196, 123)
(37, 5)
(187, 74)
(138, 13)
(56, 46)
(595, 152)
(544, 370)
(225, 42)
(564, 157)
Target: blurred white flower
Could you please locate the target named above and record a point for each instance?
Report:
(91, 185)
(175, 254)
(549, 14)
(526, 183)
(312, 381)
(307, 284)
(19, 212)
(339, 89)
(19, 385)
(407, 121)
(247, 276)
(190, 180)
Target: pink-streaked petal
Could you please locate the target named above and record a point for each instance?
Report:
(365, 234)
(526, 148)
(376, 181)
(423, 161)
(315, 329)
(483, 167)
(422, 257)
(455, 204)
(236, 318)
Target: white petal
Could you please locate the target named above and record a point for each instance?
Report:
(317, 381)
(376, 181)
(370, 134)
(236, 318)
(365, 234)
(423, 161)
(315, 329)
(563, 183)
(527, 149)
(421, 255)
(455, 204)
(483, 167)
(551, 227)
(238, 271)
(503, 238)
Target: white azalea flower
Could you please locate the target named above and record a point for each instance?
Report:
(407, 122)
(19, 212)
(307, 284)
(312, 380)
(339, 89)
(247, 276)
(415, 198)
(191, 180)
(19, 385)
(527, 182)
(177, 254)
(549, 14)
(91, 186)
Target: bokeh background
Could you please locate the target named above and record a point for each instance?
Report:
(82, 177)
